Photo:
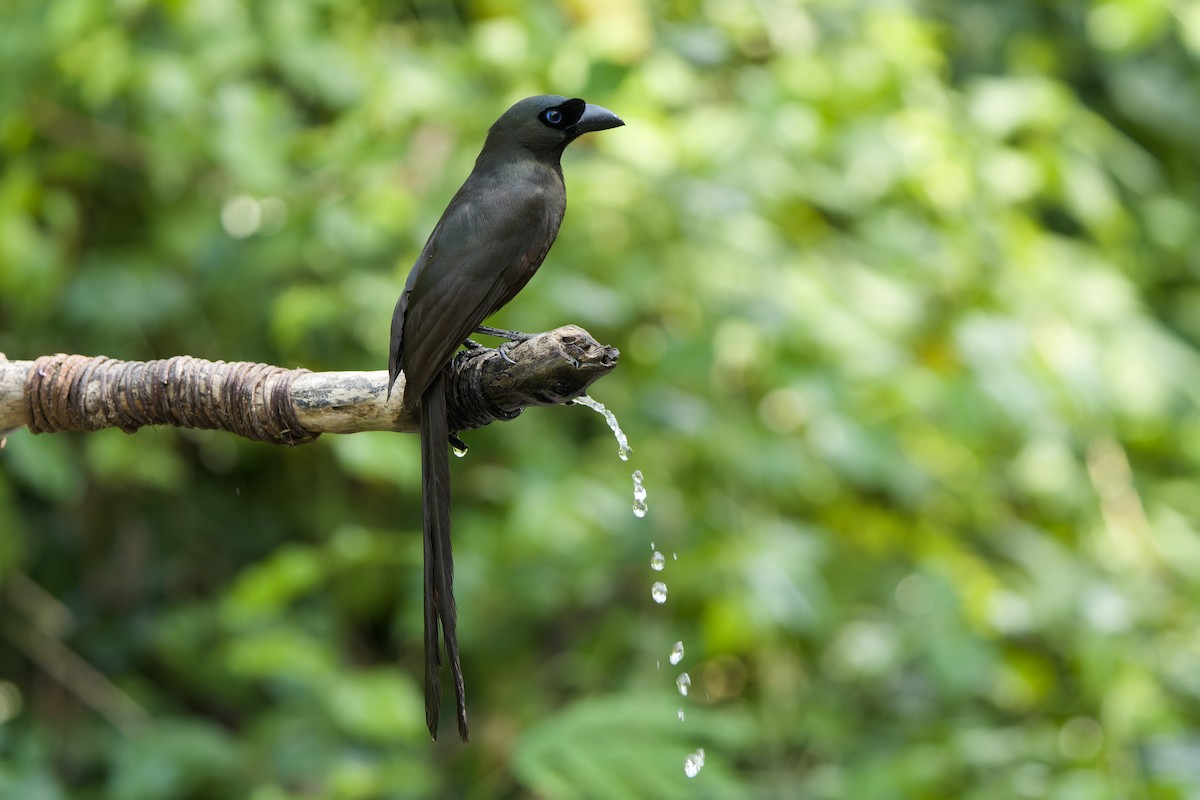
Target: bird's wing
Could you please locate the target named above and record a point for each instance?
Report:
(480, 254)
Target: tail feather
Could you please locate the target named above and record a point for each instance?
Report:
(433, 657)
(440, 611)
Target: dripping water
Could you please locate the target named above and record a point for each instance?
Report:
(659, 592)
(694, 762)
(639, 495)
(623, 449)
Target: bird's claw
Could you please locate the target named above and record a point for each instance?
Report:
(503, 350)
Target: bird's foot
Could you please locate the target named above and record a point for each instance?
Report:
(473, 349)
(513, 337)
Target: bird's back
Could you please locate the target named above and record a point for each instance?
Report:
(489, 242)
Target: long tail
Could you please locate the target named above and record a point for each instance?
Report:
(439, 560)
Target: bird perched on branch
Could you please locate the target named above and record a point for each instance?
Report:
(490, 240)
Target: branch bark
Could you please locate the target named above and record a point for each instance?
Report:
(259, 401)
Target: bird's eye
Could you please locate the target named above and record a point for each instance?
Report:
(553, 116)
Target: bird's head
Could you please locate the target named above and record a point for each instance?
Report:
(546, 124)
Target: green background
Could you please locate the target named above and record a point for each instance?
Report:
(907, 299)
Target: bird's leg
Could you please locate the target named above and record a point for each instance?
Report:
(501, 333)
(513, 337)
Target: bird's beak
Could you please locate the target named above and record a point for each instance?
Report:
(596, 118)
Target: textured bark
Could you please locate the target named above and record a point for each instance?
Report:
(71, 393)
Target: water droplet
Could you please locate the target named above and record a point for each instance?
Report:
(694, 763)
(659, 592)
(677, 653)
(679, 714)
(657, 561)
(623, 449)
(639, 495)
(674, 556)
(683, 682)
(459, 451)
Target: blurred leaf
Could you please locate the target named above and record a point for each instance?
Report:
(628, 746)
(174, 759)
(47, 466)
(377, 706)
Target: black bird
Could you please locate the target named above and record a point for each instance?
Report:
(490, 240)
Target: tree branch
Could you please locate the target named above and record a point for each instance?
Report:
(272, 404)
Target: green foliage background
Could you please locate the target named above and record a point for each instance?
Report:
(907, 299)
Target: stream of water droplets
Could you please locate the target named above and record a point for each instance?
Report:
(694, 762)
(623, 449)
(639, 495)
